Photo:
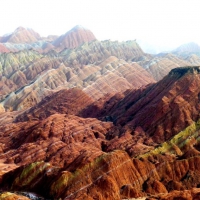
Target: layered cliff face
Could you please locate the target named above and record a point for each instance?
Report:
(11, 70)
(150, 115)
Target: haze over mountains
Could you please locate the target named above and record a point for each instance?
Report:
(87, 119)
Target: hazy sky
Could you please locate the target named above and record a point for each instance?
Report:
(158, 22)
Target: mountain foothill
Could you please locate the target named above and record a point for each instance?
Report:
(87, 119)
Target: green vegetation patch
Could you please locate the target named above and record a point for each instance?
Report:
(30, 173)
(179, 142)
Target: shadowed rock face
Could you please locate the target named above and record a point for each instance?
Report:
(162, 109)
(70, 102)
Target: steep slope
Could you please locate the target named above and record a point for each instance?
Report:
(95, 81)
(74, 38)
(163, 109)
(96, 125)
(19, 69)
(12, 66)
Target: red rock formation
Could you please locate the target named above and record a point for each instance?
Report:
(71, 102)
(52, 150)
(29, 76)
(110, 176)
(73, 149)
(193, 194)
(163, 109)
(74, 38)
(58, 139)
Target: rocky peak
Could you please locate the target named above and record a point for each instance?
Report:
(74, 38)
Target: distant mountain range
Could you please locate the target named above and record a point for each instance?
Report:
(154, 49)
(22, 39)
(26, 38)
